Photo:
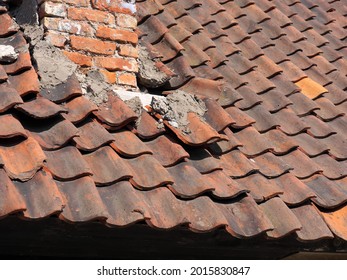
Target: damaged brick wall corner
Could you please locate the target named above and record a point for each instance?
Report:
(97, 35)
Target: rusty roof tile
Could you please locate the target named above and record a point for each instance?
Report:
(226, 45)
(128, 144)
(284, 221)
(193, 54)
(274, 100)
(153, 23)
(167, 151)
(16, 40)
(142, 169)
(165, 205)
(8, 25)
(215, 115)
(317, 128)
(336, 221)
(91, 136)
(11, 127)
(337, 146)
(67, 164)
(303, 166)
(234, 9)
(313, 226)
(240, 63)
(231, 76)
(250, 98)
(115, 112)
(253, 142)
(3, 75)
(258, 82)
(206, 72)
(289, 122)
(225, 187)
(78, 109)
(11, 200)
(235, 164)
(267, 67)
(225, 146)
(202, 160)
(236, 34)
(295, 192)
(146, 8)
(25, 83)
(245, 212)
(271, 166)
(124, 204)
(309, 145)
(293, 72)
(332, 168)
(339, 124)
(107, 166)
(329, 194)
(40, 108)
(264, 120)
(82, 199)
(260, 187)
(279, 18)
(302, 105)
(21, 160)
(183, 71)
(22, 63)
(41, 195)
(147, 127)
(224, 20)
(335, 94)
(169, 47)
(190, 24)
(250, 49)
(241, 119)
(279, 142)
(249, 25)
(180, 33)
(216, 57)
(188, 182)
(64, 91)
(199, 219)
(51, 134)
(166, 18)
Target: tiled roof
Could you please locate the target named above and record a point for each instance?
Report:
(269, 158)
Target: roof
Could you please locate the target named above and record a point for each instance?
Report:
(268, 159)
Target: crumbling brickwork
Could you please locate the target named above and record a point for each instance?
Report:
(98, 34)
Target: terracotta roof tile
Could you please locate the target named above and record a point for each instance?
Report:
(268, 158)
(67, 164)
(41, 195)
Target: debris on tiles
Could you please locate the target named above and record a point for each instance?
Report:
(7, 54)
(176, 106)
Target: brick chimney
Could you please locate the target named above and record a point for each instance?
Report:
(95, 34)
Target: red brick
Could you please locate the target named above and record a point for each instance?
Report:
(52, 9)
(128, 50)
(65, 25)
(80, 59)
(117, 35)
(56, 39)
(126, 21)
(92, 45)
(127, 79)
(91, 15)
(117, 6)
(116, 63)
(111, 77)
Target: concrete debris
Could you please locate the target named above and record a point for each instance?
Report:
(94, 86)
(145, 97)
(7, 54)
(149, 75)
(176, 106)
(135, 104)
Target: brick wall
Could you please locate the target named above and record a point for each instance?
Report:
(95, 34)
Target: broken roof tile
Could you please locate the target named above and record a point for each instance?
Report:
(21, 160)
(22, 63)
(67, 164)
(147, 127)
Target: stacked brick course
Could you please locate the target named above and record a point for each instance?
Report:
(95, 34)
